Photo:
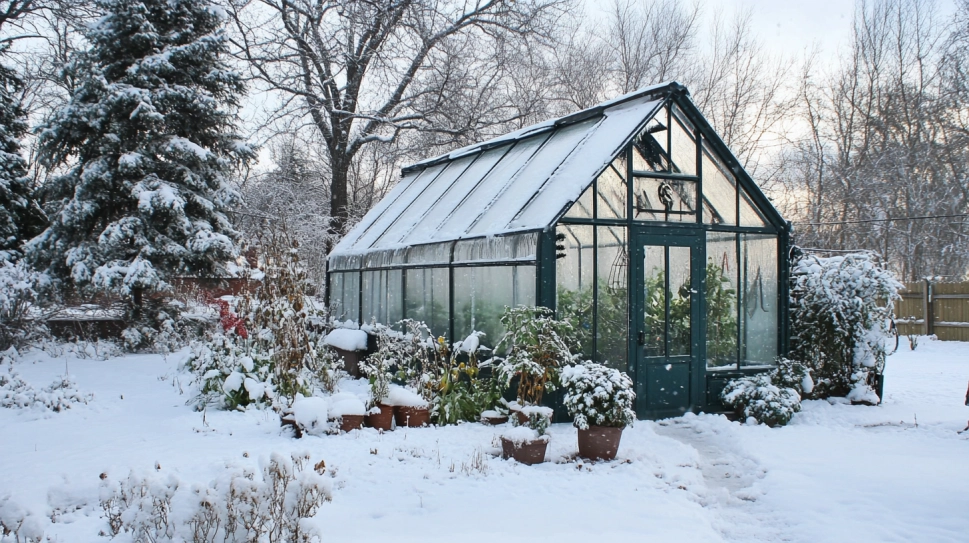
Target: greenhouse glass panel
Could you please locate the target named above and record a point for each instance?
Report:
(749, 215)
(582, 166)
(582, 208)
(345, 296)
(525, 285)
(611, 188)
(684, 150)
(345, 262)
(654, 195)
(414, 213)
(497, 249)
(719, 192)
(427, 298)
(382, 300)
(650, 152)
(490, 187)
(375, 213)
(721, 297)
(480, 296)
(435, 253)
(428, 229)
(522, 187)
(612, 326)
(574, 278)
(405, 201)
(760, 315)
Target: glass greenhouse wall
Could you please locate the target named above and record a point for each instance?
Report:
(632, 219)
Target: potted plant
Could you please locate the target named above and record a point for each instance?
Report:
(409, 408)
(379, 415)
(528, 442)
(537, 346)
(600, 400)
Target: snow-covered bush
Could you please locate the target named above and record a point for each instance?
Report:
(757, 396)
(19, 524)
(227, 376)
(61, 395)
(537, 346)
(241, 505)
(598, 395)
(840, 313)
(20, 287)
(462, 391)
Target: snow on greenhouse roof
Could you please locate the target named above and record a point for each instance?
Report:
(517, 182)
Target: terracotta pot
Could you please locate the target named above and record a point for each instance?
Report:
(494, 421)
(528, 453)
(412, 417)
(599, 442)
(522, 418)
(351, 422)
(351, 361)
(290, 420)
(381, 421)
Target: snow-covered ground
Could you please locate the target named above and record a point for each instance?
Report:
(897, 472)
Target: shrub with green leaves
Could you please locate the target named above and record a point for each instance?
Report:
(841, 308)
(596, 395)
(537, 345)
(757, 396)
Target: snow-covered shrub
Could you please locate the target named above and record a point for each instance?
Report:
(598, 395)
(840, 313)
(18, 524)
(241, 505)
(61, 395)
(159, 326)
(227, 376)
(538, 419)
(20, 287)
(537, 346)
(462, 391)
(757, 396)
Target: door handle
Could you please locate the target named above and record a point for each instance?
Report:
(642, 338)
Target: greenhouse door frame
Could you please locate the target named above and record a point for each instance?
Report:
(669, 378)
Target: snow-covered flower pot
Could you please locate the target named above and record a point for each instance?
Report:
(600, 400)
(493, 418)
(347, 410)
(411, 409)
(527, 441)
(350, 346)
(524, 445)
(380, 417)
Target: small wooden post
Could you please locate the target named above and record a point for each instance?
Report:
(928, 312)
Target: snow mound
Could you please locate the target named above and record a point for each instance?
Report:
(311, 414)
(348, 340)
(343, 403)
(522, 434)
(401, 397)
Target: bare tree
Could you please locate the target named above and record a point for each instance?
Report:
(365, 72)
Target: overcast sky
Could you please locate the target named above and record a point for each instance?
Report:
(791, 26)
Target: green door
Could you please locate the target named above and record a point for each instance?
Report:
(666, 321)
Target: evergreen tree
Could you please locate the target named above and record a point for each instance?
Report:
(150, 139)
(20, 216)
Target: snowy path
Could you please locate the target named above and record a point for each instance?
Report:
(732, 478)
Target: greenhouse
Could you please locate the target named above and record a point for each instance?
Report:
(632, 218)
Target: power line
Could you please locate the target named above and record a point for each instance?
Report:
(859, 221)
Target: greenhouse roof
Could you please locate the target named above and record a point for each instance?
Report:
(521, 181)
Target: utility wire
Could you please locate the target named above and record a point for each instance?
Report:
(859, 221)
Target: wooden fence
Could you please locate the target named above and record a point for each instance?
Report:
(929, 308)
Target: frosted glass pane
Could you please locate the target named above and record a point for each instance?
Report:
(525, 285)
(348, 241)
(719, 193)
(652, 196)
(422, 203)
(721, 299)
(437, 253)
(480, 297)
(760, 299)
(427, 298)
(382, 301)
(612, 195)
(574, 276)
(612, 319)
(582, 208)
(427, 229)
(406, 199)
(749, 215)
(684, 150)
(345, 262)
(501, 248)
(484, 193)
(522, 187)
